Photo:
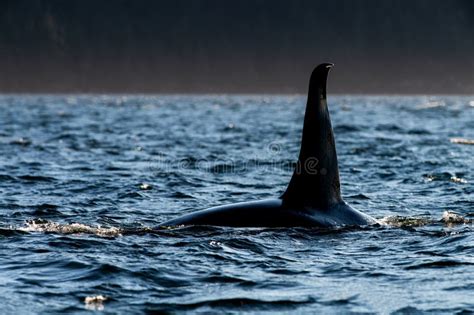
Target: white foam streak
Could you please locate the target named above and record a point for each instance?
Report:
(71, 228)
(449, 218)
(95, 303)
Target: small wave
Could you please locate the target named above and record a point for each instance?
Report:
(33, 178)
(181, 195)
(218, 278)
(345, 128)
(39, 225)
(468, 287)
(462, 141)
(46, 210)
(10, 232)
(242, 303)
(4, 177)
(359, 196)
(418, 131)
(95, 303)
(445, 176)
(449, 218)
(388, 127)
(222, 168)
(145, 186)
(231, 127)
(21, 142)
(130, 195)
(438, 264)
(431, 104)
(454, 218)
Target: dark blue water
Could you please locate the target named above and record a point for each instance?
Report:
(84, 179)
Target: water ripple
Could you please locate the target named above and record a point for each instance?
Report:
(84, 179)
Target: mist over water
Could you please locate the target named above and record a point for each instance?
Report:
(85, 178)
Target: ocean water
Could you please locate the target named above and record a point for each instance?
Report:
(84, 179)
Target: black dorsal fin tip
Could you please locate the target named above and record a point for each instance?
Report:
(318, 79)
(315, 181)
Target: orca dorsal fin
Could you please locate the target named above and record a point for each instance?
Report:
(315, 180)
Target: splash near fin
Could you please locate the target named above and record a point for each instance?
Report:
(315, 181)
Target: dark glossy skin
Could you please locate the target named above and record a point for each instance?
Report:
(313, 197)
(273, 213)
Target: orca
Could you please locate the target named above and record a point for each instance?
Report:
(313, 196)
